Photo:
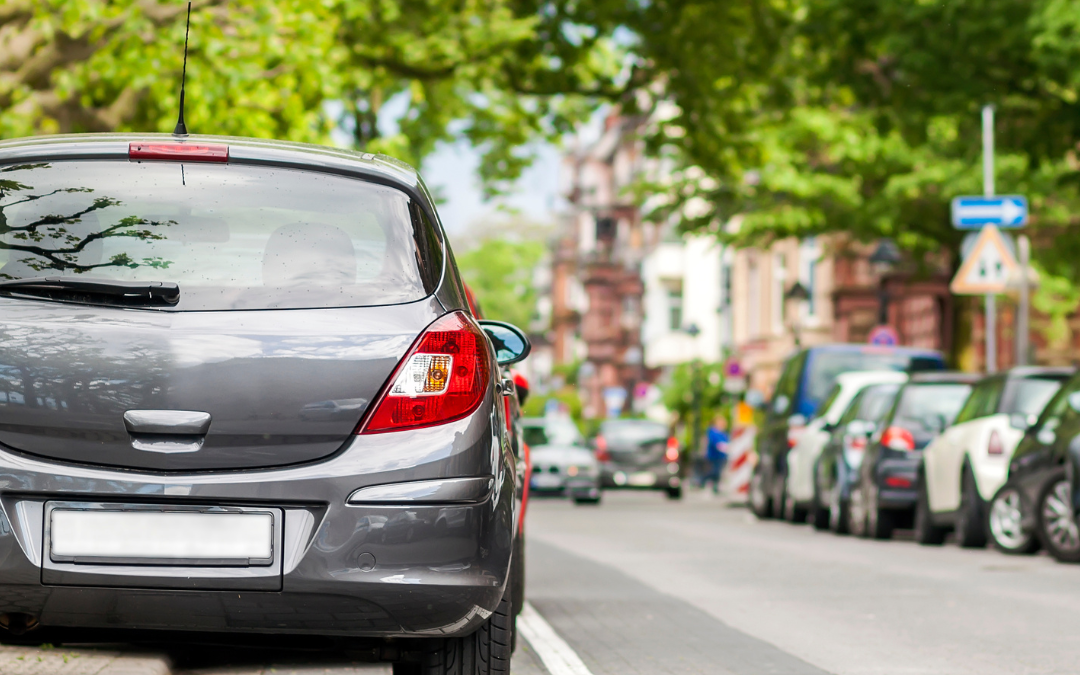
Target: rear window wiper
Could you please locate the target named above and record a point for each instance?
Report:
(111, 290)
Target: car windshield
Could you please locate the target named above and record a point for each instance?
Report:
(1032, 394)
(231, 236)
(632, 432)
(826, 365)
(551, 432)
(929, 407)
(876, 401)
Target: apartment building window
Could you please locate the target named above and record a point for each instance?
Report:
(673, 288)
(606, 229)
(779, 286)
(809, 254)
(753, 295)
(725, 283)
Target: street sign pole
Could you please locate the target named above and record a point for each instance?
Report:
(1024, 246)
(988, 191)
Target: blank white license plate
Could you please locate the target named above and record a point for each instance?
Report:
(158, 535)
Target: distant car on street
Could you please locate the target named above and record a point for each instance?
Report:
(800, 496)
(885, 493)
(1036, 506)
(638, 454)
(837, 469)
(561, 463)
(805, 381)
(966, 465)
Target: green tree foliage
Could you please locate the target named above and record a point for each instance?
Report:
(679, 394)
(478, 68)
(499, 273)
(860, 116)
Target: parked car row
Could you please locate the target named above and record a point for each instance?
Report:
(990, 459)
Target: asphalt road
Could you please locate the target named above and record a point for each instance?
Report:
(644, 585)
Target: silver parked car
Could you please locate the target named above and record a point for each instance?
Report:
(561, 464)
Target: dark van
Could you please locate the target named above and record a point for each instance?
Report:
(805, 380)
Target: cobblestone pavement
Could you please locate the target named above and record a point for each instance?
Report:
(65, 661)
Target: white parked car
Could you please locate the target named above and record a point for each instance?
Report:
(802, 459)
(966, 465)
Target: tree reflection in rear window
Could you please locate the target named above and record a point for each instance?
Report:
(231, 236)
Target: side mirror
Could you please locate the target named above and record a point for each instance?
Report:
(858, 428)
(1022, 422)
(780, 404)
(510, 343)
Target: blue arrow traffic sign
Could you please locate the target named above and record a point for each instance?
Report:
(972, 213)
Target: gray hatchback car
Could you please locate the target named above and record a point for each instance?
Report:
(241, 391)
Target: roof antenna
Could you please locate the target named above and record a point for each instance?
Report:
(181, 128)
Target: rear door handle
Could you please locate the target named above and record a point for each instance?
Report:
(170, 422)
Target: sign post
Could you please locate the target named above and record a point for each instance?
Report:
(988, 191)
(985, 269)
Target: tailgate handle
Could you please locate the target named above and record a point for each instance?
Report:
(170, 422)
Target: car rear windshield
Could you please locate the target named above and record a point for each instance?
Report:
(825, 365)
(552, 432)
(632, 432)
(930, 407)
(231, 236)
(1030, 395)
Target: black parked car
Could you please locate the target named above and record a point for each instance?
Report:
(838, 466)
(804, 382)
(638, 454)
(1035, 506)
(241, 390)
(884, 495)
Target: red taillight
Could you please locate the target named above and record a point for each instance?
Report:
(995, 446)
(897, 482)
(602, 454)
(672, 453)
(793, 434)
(857, 444)
(441, 379)
(898, 438)
(179, 152)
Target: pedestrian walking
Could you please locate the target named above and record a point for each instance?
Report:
(716, 451)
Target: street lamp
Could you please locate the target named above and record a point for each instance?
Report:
(799, 294)
(696, 386)
(882, 260)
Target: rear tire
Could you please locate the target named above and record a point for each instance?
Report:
(857, 512)
(1057, 527)
(1005, 522)
(760, 502)
(674, 492)
(485, 652)
(839, 510)
(879, 523)
(970, 521)
(793, 513)
(819, 516)
(926, 532)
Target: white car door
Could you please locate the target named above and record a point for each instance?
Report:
(801, 460)
(942, 470)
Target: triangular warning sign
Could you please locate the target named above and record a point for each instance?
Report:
(986, 269)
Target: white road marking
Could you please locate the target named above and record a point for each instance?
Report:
(558, 657)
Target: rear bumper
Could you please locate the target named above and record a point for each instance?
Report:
(656, 477)
(576, 486)
(897, 483)
(371, 570)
